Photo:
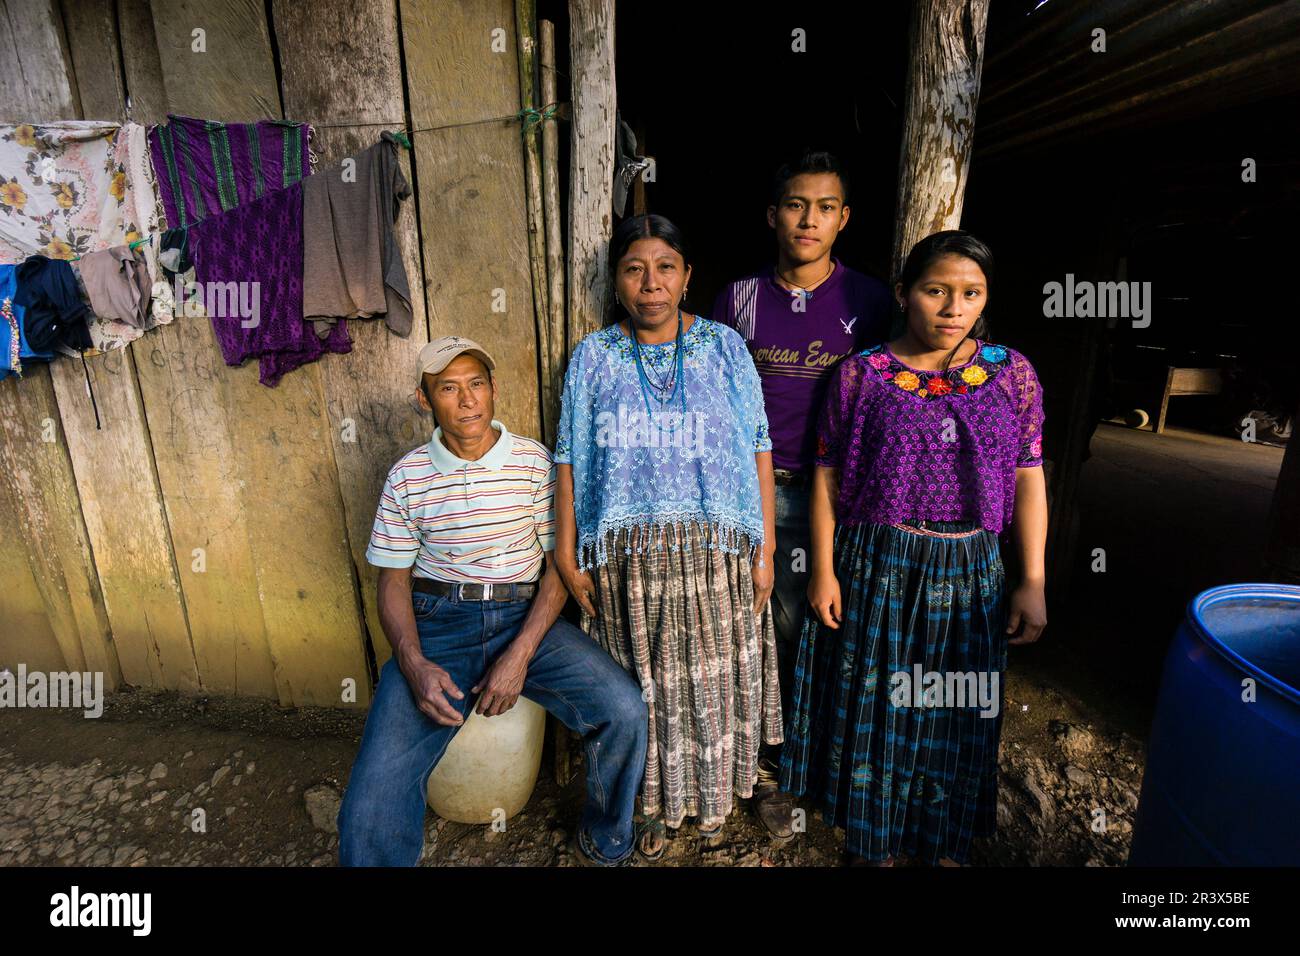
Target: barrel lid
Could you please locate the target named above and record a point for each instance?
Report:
(1255, 627)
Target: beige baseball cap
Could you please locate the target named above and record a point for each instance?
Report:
(437, 355)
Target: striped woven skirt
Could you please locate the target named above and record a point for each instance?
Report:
(678, 616)
(895, 716)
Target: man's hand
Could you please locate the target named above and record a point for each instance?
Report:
(429, 683)
(502, 684)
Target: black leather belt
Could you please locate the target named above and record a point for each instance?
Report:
(796, 478)
(475, 592)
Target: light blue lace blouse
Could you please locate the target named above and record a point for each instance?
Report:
(639, 463)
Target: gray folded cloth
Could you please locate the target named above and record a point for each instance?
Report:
(352, 267)
(118, 284)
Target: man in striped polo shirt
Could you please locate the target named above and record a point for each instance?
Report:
(463, 531)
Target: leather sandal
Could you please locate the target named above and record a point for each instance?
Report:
(655, 829)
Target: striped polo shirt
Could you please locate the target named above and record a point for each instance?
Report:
(477, 522)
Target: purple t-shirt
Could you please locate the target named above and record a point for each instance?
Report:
(795, 351)
(931, 446)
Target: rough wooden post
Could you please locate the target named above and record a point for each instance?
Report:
(943, 87)
(526, 27)
(591, 177)
(558, 346)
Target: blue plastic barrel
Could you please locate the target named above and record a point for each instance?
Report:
(1222, 784)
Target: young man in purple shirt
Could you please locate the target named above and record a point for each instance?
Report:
(799, 319)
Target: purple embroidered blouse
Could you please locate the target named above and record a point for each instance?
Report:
(929, 446)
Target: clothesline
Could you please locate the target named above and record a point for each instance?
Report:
(531, 118)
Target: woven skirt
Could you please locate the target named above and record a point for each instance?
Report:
(678, 616)
(901, 772)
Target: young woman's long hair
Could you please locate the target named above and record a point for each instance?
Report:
(644, 226)
(951, 242)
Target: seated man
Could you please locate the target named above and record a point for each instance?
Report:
(463, 526)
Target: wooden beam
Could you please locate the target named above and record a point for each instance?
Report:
(557, 344)
(1166, 53)
(91, 27)
(591, 168)
(463, 77)
(943, 87)
(341, 60)
(526, 27)
(147, 100)
(36, 81)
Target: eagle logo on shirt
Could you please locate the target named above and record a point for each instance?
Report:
(848, 326)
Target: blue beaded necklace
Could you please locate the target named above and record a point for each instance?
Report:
(676, 376)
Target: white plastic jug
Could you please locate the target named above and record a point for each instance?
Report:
(490, 766)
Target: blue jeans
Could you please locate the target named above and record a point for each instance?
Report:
(791, 571)
(381, 819)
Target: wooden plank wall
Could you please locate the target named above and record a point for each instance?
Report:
(210, 536)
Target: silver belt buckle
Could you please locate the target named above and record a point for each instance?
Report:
(487, 592)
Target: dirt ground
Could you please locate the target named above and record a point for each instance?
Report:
(122, 790)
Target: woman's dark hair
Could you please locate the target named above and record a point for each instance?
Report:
(810, 161)
(950, 242)
(644, 226)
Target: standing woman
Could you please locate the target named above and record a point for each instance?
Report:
(929, 446)
(664, 526)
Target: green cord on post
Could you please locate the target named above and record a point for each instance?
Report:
(533, 117)
(400, 136)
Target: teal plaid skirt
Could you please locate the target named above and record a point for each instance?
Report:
(904, 773)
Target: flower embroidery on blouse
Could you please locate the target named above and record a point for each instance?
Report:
(981, 369)
(906, 381)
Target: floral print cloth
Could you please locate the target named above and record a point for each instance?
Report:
(660, 466)
(80, 186)
(933, 446)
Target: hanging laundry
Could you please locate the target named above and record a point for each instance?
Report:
(249, 265)
(352, 267)
(61, 192)
(71, 188)
(117, 284)
(144, 216)
(54, 312)
(204, 167)
(15, 351)
(177, 266)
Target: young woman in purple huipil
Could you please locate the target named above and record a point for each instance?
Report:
(929, 447)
